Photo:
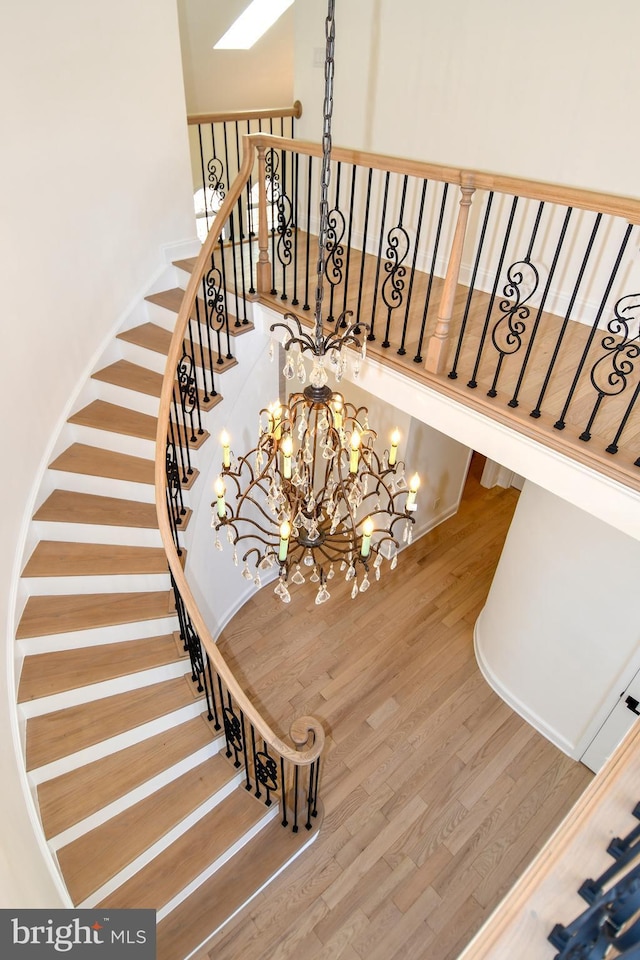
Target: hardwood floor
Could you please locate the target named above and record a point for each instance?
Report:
(436, 794)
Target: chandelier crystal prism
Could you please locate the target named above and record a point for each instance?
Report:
(313, 498)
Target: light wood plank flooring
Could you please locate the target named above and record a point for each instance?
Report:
(436, 794)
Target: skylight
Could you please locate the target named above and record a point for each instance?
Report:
(252, 24)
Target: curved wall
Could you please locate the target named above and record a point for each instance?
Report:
(95, 180)
(559, 632)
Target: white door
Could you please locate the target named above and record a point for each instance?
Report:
(625, 713)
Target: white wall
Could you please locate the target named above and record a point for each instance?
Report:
(95, 179)
(218, 80)
(537, 91)
(560, 629)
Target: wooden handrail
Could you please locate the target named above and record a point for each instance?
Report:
(230, 116)
(305, 730)
(617, 206)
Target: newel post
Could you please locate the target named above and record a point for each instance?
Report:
(263, 267)
(437, 348)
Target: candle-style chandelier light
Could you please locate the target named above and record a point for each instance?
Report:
(313, 494)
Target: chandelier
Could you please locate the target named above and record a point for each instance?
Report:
(313, 494)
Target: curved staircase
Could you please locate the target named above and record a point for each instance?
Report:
(139, 804)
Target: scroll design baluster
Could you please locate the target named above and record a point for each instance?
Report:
(506, 336)
(393, 286)
(610, 373)
(285, 233)
(215, 184)
(189, 400)
(217, 316)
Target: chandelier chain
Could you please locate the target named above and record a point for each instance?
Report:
(325, 177)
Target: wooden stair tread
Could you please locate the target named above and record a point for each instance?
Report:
(63, 732)
(92, 859)
(110, 417)
(171, 871)
(58, 558)
(68, 506)
(97, 462)
(44, 674)
(218, 898)
(75, 795)
(45, 615)
(152, 337)
(172, 300)
(131, 376)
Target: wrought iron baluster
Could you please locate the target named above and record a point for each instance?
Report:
(296, 174)
(296, 776)
(232, 238)
(364, 250)
(560, 423)
(534, 330)
(535, 413)
(241, 236)
(233, 732)
(247, 784)
(453, 374)
(335, 251)
(349, 235)
(189, 401)
(216, 720)
(266, 771)
(204, 182)
(175, 501)
(473, 383)
(273, 192)
(306, 305)
(283, 791)
(509, 329)
(206, 393)
(397, 250)
(402, 349)
(371, 334)
(285, 220)
(609, 375)
(434, 258)
(180, 440)
(250, 224)
(217, 316)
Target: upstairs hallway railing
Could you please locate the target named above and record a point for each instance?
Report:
(519, 298)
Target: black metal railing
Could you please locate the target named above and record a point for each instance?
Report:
(534, 300)
(266, 774)
(610, 926)
(271, 770)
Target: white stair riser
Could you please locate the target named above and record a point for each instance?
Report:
(100, 486)
(124, 397)
(270, 814)
(131, 869)
(114, 744)
(97, 533)
(118, 442)
(113, 583)
(112, 634)
(106, 688)
(143, 357)
(142, 792)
